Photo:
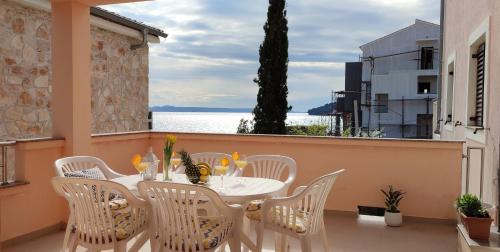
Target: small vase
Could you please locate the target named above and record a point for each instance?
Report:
(166, 166)
(393, 219)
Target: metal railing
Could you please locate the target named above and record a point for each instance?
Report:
(5, 147)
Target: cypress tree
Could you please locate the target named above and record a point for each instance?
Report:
(272, 106)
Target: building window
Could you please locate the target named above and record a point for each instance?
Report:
(382, 103)
(427, 58)
(478, 113)
(424, 88)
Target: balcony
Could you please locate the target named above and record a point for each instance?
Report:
(32, 215)
(428, 170)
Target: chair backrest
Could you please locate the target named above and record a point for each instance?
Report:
(175, 210)
(273, 166)
(211, 158)
(89, 201)
(313, 199)
(310, 202)
(78, 163)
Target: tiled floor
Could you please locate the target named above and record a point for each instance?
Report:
(346, 233)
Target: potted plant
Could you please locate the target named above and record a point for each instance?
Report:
(474, 216)
(392, 216)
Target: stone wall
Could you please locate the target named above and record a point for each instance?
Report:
(119, 83)
(119, 77)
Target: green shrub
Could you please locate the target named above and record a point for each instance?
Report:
(312, 130)
(471, 206)
(245, 127)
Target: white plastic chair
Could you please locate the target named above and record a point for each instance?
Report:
(179, 227)
(273, 166)
(211, 158)
(300, 215)
(98, 222)
(78, 163)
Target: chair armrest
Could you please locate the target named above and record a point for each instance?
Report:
(289, 181)
(298, 190)
(113, 175)
(132, 200)
(291, 202)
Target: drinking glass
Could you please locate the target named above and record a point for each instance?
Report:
(221, 170)
(141, 168)
(241, 163)
(175, 161)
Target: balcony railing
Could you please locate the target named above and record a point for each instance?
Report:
(7, 156)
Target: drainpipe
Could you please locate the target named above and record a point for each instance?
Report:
(440, 75)
(144, 40)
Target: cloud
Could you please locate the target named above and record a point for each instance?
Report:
(211, 55)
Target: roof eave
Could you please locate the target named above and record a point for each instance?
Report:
(112, 17)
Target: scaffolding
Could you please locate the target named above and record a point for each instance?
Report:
(404, 126)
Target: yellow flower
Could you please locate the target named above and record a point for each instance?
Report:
(236, 156)
(224, 162)
(136, 160)
(170, 139)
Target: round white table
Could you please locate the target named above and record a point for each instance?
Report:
(234, 191)
(239, 190)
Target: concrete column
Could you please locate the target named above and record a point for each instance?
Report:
(71, 93)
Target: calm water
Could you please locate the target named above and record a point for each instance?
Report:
(217, 122)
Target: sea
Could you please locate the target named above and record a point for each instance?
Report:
(220, 122)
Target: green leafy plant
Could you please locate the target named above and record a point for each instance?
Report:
(245, 127)
(471, 206)
(392, 199)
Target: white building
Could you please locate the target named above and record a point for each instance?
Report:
(400, 73)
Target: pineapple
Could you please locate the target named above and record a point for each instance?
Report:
(192, 170)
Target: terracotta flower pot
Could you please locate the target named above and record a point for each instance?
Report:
(478, 228)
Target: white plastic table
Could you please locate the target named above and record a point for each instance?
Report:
(234, 191)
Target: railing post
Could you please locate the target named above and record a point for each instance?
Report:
(4, 165)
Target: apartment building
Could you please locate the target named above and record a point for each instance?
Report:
(468, 104)
(469, 107)
(400, 73)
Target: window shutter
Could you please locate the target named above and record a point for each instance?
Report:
(480, 57)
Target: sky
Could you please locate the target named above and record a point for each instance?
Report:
(210, 57)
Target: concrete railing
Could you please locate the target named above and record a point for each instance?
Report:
(428, 170)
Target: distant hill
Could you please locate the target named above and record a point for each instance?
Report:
(168, 108)
(323, 110)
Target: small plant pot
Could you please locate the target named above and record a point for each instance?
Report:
(478, 228)
(393, 219)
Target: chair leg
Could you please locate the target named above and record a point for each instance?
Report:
(259, 229)
(141, 240)
(246, 229)
(155, 245)
(277, 241)
(69, 229)
(72, 243)
(324, 238)
(235, 244)
(120, 247)
(284, 243)
(305, 244)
